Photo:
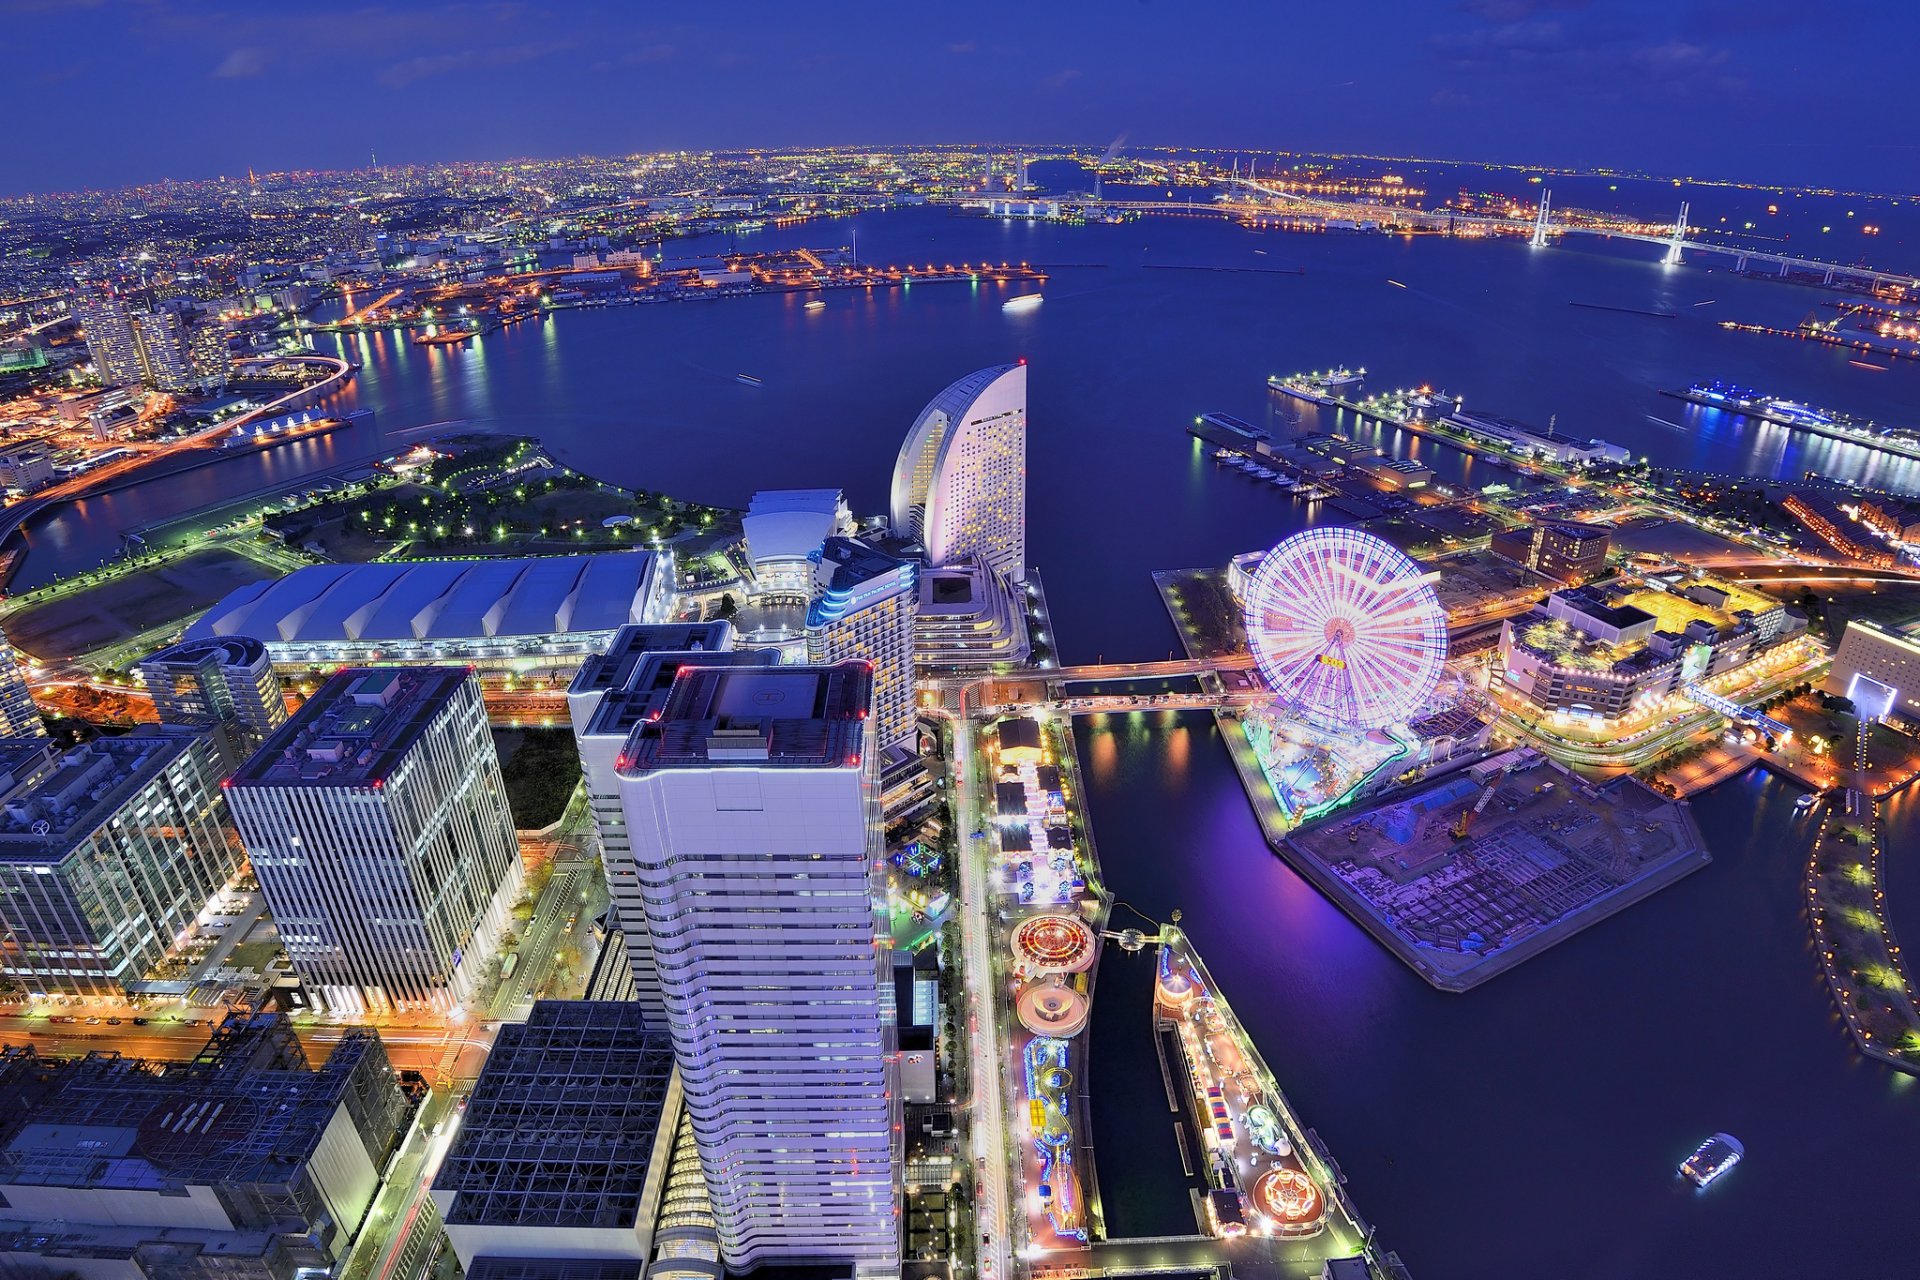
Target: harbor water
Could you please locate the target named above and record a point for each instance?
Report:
(1529, 1128)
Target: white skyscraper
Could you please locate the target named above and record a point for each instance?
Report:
(960, 483)
(751, 810)
(613, 692)
(863, 607)
(376, 820)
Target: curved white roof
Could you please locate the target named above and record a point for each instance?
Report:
(440, 600)
(790, 524)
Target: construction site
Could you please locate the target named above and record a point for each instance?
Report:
(1471, 874)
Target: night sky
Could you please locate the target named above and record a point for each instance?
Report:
(123, 91)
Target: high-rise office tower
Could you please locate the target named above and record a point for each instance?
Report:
(108, 854)
(19, 717)
(376, 820)
(613, 692)
(227, 681)
(960, 482)
(750, 805)
(863, 607)
(108, 324)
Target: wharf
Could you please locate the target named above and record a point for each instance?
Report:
(1371, 411)
(1840, 429)
(1879, 348)
(1846, 905)
(1616, 845)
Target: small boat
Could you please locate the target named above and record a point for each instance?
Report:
(1025, 302)
(816, 305)
(446, 337)
(1712, 1158)
(1396, 284)
(746, 378)
(1806, 802)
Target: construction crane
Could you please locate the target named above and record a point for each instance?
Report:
(1467, 815)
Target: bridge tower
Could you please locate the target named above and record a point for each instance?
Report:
(1678, 239)
(1542, 224)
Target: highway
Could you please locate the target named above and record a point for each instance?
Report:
(114, 473)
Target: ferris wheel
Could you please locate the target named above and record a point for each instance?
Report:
(1346, 629)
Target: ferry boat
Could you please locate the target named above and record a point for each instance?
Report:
(1327, 388)
(1025, 302)
(1712, 1158)
(816, 305)
(445, 337)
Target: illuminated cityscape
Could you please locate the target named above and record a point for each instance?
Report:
(614, 667)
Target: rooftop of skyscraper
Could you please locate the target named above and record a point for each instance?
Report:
(644, 695)
(792, 717)
(853, 563)
(247, 1110)
(560, 1130)
(235, 651)
(49, 800)
(354, 730)
(632, 645)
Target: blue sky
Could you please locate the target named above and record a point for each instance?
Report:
(107, 92)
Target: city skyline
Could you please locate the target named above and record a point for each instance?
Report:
(956, 712)
(1629, 85)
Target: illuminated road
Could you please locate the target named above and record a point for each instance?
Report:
(422, 1048)
(396, 1206)
(562, 899)
(102, 477)
(986, 1107)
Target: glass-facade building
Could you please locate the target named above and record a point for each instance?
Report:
(108, 853)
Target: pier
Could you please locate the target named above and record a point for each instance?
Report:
(1834, 426)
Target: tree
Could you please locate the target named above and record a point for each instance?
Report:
(727, 606)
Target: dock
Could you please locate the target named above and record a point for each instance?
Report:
(1838, 427)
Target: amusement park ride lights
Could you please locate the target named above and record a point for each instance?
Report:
(1053, 944)
(1346, 629)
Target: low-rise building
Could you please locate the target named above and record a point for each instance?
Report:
(1892, 517)
(26, 466)
(565, 1145)
(1604, 654)
(243, 1164)
(1878, 668)
(785, 529)
(535, 615)
(1565, 552)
